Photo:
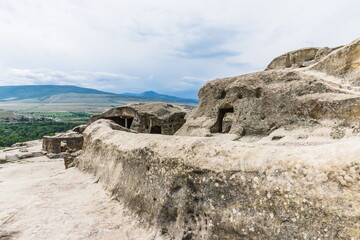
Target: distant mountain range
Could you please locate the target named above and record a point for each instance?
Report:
(9, 93)
(43, 92)
(152, 94)
(60, 98)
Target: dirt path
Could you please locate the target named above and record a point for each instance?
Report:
(41, 200)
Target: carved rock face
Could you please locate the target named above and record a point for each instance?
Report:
(284, 94)
(150, 117)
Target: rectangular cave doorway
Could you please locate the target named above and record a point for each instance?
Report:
(224, 120)
(155, 130)
(118, 120)
(125, 122)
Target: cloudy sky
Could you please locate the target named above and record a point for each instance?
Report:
(169, 46)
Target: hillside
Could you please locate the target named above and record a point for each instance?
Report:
(37, 91)
(152, 94)
(12, 117)
(44, 92)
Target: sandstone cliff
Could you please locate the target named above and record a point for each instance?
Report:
(318, 84)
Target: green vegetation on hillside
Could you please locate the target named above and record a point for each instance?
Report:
(11, 133)
(62, 116)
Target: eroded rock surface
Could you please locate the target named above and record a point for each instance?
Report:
(216, 188)
(298, 87)
(151, 117)
(300, 58)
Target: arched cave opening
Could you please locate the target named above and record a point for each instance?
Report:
(224, 120)
(155, 130)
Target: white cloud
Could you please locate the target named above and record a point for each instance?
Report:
(164, 39)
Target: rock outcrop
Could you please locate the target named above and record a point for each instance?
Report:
(300, 58)
(152, 117)
(288, 169)
(211, 188)
(258, 103)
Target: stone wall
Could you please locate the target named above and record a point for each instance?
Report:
(62, 142)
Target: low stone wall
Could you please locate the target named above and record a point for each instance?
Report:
(62, 142)
(209, 188)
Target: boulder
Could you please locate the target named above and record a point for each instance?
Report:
(151, 117)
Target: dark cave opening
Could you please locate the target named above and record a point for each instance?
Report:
(155, 130)
(224, 120)
(125, 122)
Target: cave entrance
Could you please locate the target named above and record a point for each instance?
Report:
(128, 122)
(155, 130)
(118, 120)
(224, 120)
(125, 122)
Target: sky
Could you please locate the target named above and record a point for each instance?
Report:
(171, 47)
